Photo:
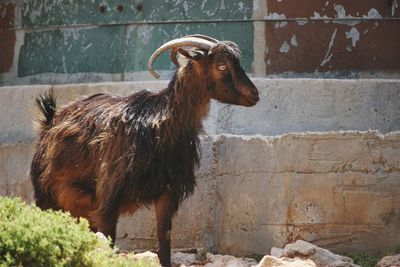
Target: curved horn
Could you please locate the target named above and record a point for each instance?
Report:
(200, 36)
(184, 41)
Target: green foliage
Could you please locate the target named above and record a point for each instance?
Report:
(367, 260)
(364, 259)
(395, 250)
(32, 237)
(257, 257)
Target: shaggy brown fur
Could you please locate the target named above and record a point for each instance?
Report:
(103, 156)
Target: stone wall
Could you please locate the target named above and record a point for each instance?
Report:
(314, 159)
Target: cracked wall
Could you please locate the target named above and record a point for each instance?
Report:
(337, 190)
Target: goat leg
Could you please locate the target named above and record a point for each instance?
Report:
(105, 221)
(165, 209)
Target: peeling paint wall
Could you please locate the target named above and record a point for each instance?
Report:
(84, 41)
(333, 38)
(7, 36)
(95, 41)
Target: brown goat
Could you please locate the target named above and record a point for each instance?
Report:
(103, 155)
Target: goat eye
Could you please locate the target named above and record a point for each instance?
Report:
(222, 67)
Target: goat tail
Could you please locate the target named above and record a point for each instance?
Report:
(47, 106)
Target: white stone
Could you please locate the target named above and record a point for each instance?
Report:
(227, 261)
(389, 261)
(322, 257)
(270, 261)
(101, 235)
(276, 252)
(300, 247)
(186, 260)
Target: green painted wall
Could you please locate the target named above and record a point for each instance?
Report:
(117, 48)
(72, 36)
(72, 51)
(78, 12)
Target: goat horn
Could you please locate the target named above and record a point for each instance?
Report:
(200, 36)
(184, 41)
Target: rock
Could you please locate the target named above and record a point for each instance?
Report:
(276, 252)
(148, 259)
(101, 235)
(298, 254)
(210, 260)
(300, 247)
(320, 256)
(228, 261)
(271, 261)
(389, 261)
(185, 259)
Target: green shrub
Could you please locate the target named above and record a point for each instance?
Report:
(368, 260)
(363, 259)
(32, 237)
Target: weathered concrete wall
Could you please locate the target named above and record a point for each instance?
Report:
(299, 105)
(15, 160)
(259, 185)
(95, 41)
(286, 105)
(338, 190)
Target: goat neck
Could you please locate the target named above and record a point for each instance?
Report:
(189, 97)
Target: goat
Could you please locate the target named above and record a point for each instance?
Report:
(103, 155)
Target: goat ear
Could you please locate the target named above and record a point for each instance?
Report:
(192, 54)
